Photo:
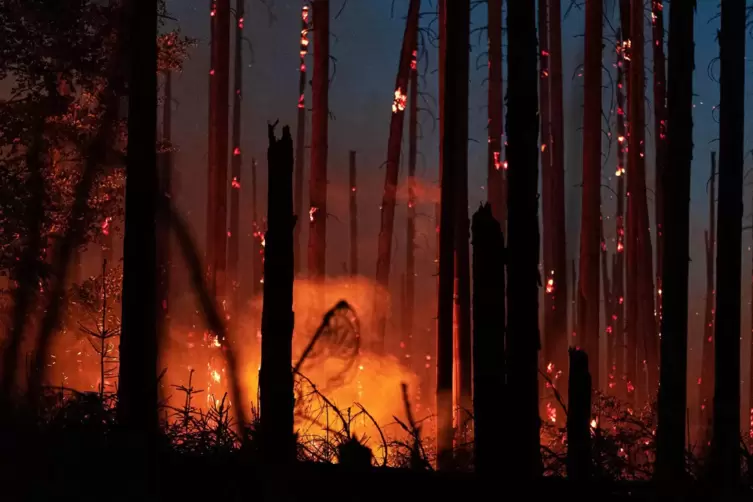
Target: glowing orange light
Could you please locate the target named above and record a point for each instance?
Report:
(550, 286)
(236, 151)
(312, 212)
(235, 183)
(398, 104)
(106, 226)
(551, 412)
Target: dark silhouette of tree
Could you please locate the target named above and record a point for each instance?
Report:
(660, 140)
(300, 137)
(235, 165)
(495, 159)
(579, 417)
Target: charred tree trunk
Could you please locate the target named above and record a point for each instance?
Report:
(488, 340)
(452, 154)
(300, 140)
(707, 357)
(606, 295)
(579, 417)
(275, 376)
(166, 190)
(660, 137)
(353, 198)
(616, 359)
(137, 385)
(319, 143)
(523, 249)
(410, 237)
(257, 257)
(235, 167)
(389, 197)
(726, 442)
(209, 251)
(588, 289)
(495, 160)
(556, 308)
(670, 439)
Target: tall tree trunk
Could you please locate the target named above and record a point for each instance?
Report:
(275, 376)
(389, 196)
(670, 454)
(556, 306)
(523, 249)
(300, 140)
(488, 340)
(410, 229)
(606, 295)
(257, 257)
(353, 198)
(495, 160)
(452, 153)
(209, 251)
(579, 417)
(235, 166)
(137, 385)
(706, 379)
(588, 289)
(319, 143)
(660, 137)
(726, 442)
(166, 190)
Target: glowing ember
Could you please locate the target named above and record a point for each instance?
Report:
(550, 367)
(235, 183)
(497, 163)
(312, 212)
(630, 387)
(236, 151)
(551, 413)
(106, 226)
(550, 285)
(593, 423)
(398, 104)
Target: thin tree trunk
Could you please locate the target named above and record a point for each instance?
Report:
(214, 89)
(523, 249)
(616, 361)
(257, 258)
(606, 295)
(300, 141)
(588, 289)
(670, 440)
(495, 160)
(137, 385)
(660, 138)
(726, 442)
(353, 215)
(319, 143)
(235, 167)
(275, 376)
(579, 417)
(556, 343)
(166, 190)
(389, 196)
(706, 379)
(410, 237)
(223, 82)
(489, 387)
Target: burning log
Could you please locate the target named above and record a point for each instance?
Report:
(706, 390)
(300, 139)
(275, 376)
(670, 440)
(235, 167)
(579, 417)
(319, 143)
(523, 247)
(353, 198)
(588, 289)
(660, 134)
(726, 443)
(495, 160)
(488, 339)
(384, 251)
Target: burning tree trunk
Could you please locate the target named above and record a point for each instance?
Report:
(384, 251)
(660, 136)
(410, 237)
(707, 357)
(452, 152)
(275, 376)
(639, 236)
(235, 166)
(257, 257)
(300, 139)
(579, 417)
(670, 454)
(166, 189)
(319, 143)
(488, 340)
(555, 305)
(137, 385)
(588, 290)
(495, 160)
(523, 248)
(353, 215)
(726, 442)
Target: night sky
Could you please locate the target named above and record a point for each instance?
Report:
(365, 46)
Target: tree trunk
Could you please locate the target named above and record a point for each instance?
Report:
(556, 309)
(353, 198)
(319, 143)
(257, 257)
(707, 357)
(235, 167)
(523, 249)
(495, 159)
(212, 168)
(726, 442)
(275, 376)
(488, 341)
(384, 251)
(410, 237)
(166, 190)
(660, 138)
(670, 440)
(137, 385)
(300, 140)
(588, 289)
(606, 295)
(579, 418)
